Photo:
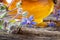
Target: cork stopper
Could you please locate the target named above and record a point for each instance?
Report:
(1, 0)
(55, 1)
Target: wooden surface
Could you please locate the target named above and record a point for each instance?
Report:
(41, 31)
(31, 34)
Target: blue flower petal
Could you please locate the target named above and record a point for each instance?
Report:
(54, 15)
(57, 17)
(58, 10)
(31, 18)
(33, 23)
(24, 21)
(52, 24)
(30, 26)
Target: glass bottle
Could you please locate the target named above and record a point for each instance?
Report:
(39, 8)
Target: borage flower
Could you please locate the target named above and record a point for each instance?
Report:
(52, 24)
(57, 14)
(28, 21)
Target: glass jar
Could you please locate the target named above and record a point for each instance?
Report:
(38, 8)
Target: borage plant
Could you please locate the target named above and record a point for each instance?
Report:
(28, 21)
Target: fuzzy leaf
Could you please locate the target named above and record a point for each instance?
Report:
(3, 15)
(3, 7)
(1, 24)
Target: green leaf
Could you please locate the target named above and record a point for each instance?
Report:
(1, 24)
(4, 7)
(12, 21)
(3, 15)
(20, 24)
